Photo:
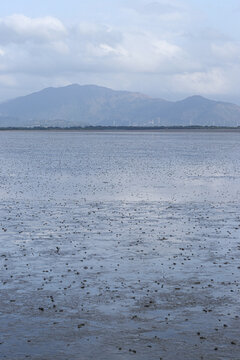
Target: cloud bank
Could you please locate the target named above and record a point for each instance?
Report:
(160, 53)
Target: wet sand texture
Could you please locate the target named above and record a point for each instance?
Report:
(119, 246)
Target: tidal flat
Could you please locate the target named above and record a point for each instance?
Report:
(119, 245)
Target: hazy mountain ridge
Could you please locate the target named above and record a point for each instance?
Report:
(94, 105)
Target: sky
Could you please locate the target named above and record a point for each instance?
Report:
(168, 49)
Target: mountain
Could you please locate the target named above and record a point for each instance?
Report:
(94, 105)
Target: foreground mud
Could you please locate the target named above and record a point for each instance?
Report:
(97, 266)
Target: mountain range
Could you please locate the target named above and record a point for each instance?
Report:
(91, 105)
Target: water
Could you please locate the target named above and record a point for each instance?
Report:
(119, 245)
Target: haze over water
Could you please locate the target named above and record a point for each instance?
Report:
(115, 245)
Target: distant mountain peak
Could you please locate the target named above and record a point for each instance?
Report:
(196, 99)
(79, 105)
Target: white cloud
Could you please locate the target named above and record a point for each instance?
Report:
(164, 10)
(210, 82)
(96, 33)
(19, 28)
(164, 57)
(226, 51)
(83, 47)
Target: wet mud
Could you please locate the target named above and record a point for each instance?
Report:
(119, 246)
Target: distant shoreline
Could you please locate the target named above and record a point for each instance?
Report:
(126, 128)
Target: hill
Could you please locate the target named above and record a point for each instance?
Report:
(76, 105)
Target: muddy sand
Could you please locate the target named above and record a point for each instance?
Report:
(119, 246)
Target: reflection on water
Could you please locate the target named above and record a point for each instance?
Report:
(123, 166)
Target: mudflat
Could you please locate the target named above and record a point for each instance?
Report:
(119, 245)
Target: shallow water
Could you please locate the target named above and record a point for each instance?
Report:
(119, 245)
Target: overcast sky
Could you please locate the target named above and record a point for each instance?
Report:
(163, 48)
